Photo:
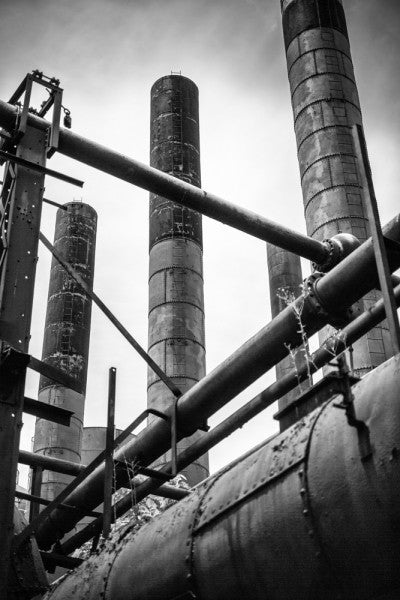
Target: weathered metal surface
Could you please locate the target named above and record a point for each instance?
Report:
(325, 106)
(285, 279)
(176, 299)
(21, 201)
(177, 190)
(340, 287)
(66, 339)
(303, 517)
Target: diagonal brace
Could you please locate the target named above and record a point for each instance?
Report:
(84, 286)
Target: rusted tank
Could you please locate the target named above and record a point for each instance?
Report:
(306, 516)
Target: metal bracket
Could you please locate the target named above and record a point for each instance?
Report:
(35, 167)
(364, 442)
(55, 99)
(50, 412)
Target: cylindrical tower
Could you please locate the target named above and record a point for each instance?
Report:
(285, 277)
(176, 303)
(325, 106)
(66, 339)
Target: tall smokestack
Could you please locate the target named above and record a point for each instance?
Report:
(66, 339)
(285, 278)
(325, 106)
(176, 303)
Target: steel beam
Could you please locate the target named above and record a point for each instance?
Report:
(330, 294)
(162, 184)
(370, 203)
(52, 413)
(17, 279)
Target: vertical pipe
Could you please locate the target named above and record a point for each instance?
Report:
(176, 304)
(285, 277)
(325, 106)
(109, 461)
(66, 340)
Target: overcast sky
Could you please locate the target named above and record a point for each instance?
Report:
(107, 54)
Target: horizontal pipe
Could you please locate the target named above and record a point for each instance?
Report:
(67, 467)
(47, 462)
(45, 502)
(337, 344)
(155, 181)
(339, 288)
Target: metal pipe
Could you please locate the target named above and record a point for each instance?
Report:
(109, 458)
(337, 290)
(69, 468)
(337, 344)
(49, 462)
(304, 501)
(162, 184)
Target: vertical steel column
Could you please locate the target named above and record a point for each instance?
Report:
(66, 340)
(109, 460)
(285, 278)
(176, 304)
(20, 230)
(325, 106)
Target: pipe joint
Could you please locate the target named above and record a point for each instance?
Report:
(336, 319)
(338, 247)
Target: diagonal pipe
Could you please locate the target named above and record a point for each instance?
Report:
(335, 291)
(155, 181)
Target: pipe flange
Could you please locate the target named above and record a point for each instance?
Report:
(335, 319)
(332, 258)
(338, 247)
